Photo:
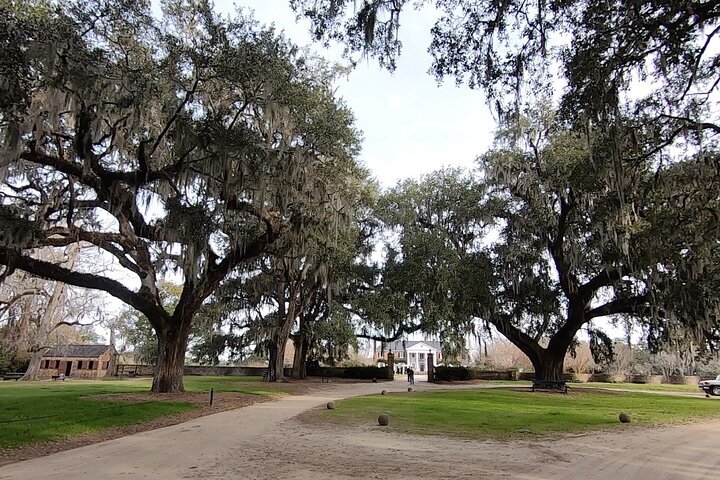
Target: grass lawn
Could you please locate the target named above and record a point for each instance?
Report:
(35, 411)
(640, 386)
(618, 386)
(499, 413)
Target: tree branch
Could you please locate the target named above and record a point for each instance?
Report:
(632, 305)
(51, 271)
(602, 279)
(401, 330)
(568, 282)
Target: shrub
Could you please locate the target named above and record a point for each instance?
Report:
(365, 372)
(453, 373)
(326, 371)
(12, 361)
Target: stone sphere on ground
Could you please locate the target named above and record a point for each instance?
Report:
(625, 417)
(384, 392)
(331, 405)
(409, 389)
(383, 420)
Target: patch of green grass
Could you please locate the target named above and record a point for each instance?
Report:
(618, 386)
(36, 411)
(640, 386)
(498, 413)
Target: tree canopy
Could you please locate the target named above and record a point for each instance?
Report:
(538, 244)
(602, 186)
(184, 144)
(510, 49)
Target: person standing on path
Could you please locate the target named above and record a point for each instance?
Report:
(411, 376)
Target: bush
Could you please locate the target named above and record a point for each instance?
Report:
(453, 373)
(13, 362)
(365, 372)
(326, 372)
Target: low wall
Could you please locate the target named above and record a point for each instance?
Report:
(646, 379)
(511, 374)
(366, 373)
(608, 378)
(453, 374)
(200, 370)
(686, 380)
(619, 378)
(135, 370)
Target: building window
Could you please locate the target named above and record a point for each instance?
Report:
(47, 363)
(92, 365)
(57, 363)
(80, 365)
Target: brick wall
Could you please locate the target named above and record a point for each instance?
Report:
(84, 368)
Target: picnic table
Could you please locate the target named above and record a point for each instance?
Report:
(13, 376)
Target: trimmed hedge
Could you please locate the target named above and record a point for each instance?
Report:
(364, 373)
(453, 373)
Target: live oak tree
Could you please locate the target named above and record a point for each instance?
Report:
(641, 76)
(536, 242)
(183, 144)
(415, 285)
(289, 293)
(284, 292)
(589, 50)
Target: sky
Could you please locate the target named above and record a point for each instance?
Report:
(411, 125)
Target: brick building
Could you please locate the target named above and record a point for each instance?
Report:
(79, 361)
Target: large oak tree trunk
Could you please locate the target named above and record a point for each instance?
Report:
(302, 345)
(172, 344)
(33, 370)
(278, 342)
(547, 362)
(549, 366)
(276, 358)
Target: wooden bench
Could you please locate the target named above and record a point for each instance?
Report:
(549, 385)
(13, 376)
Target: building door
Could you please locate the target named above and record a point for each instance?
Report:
(68, 368)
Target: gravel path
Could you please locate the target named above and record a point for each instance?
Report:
(267, 441)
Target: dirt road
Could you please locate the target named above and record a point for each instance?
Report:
(267, 441)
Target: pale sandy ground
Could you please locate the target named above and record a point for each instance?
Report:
(266, 441)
